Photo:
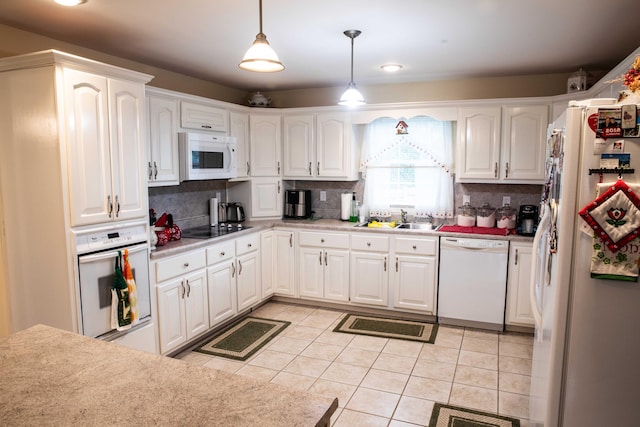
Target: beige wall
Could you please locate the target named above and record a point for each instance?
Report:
(14, 42)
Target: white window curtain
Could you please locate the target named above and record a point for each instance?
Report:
(409, 171)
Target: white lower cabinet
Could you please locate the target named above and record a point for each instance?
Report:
(267, 258)
(323, 267)
(370, 270)
(415, 274)
(518, 310)
(182, 299)
(283, 263)
(221, 282)
(248, 280)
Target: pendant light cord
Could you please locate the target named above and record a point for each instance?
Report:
(260, 9)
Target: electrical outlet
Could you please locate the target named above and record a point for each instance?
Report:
(218, 196)
(323, 196)
(506, 200)
(466, 199)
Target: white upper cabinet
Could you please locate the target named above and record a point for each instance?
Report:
(105, 148)
(266, 142)
(502, 144)
(239, 129)
(299, 144)
(162, 135)
(203, 117)
(319, 147)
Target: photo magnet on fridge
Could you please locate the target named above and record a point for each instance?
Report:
(609, 123)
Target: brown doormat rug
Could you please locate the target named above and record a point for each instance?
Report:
(243, 339)
(455, 416)
(388, 328)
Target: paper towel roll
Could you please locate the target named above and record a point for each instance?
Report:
(213, 211)
(345, 206)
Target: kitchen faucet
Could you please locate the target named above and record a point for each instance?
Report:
(403, 216)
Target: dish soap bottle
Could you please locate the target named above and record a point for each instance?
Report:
(354, 209)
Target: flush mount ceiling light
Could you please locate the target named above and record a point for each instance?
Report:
(70, 2)
(352, 97)
(391, 68)
(261, 57)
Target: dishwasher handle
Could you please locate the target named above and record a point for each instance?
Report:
(474, 244)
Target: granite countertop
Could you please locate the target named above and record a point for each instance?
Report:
(54, 377)
(176, 247)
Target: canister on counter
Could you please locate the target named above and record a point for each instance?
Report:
(506, 217)
(486, 216)
(466, 215)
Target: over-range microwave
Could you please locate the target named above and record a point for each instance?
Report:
(206, 156)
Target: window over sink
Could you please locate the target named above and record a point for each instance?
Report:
(408, 164)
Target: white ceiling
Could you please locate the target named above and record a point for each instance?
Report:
(432, 39)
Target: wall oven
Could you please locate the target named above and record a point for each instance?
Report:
(206, 156)
(97, 250)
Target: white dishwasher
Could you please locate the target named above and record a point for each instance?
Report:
(472, 282)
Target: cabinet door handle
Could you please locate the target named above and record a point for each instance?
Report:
(150, 171)
(318, 169)
(385, 263)
(309, 168)
(506, 171)
(396, 264)
(117, 206)
(155, 170)
(320, 258)
(291, 240)
(248, 169)
(233, 270)
(516, 260)
(188, 288)
(325, 258)
(239, 267)
(495, 170)
(278, 186)
(182, 288)
(278, 168)
(109, 205)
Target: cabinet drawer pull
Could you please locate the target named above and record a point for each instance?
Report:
(415, 247)
(222, 253)
(248, 245)
(185, 265)
(369, 244)
(205, 127)
(321, 240)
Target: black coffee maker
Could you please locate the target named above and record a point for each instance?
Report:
(297, 204)
(527, 220)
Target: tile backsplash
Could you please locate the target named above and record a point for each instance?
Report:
(189, 202)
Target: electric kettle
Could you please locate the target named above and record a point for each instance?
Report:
(230, 212)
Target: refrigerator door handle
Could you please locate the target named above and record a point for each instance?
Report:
(537, 314)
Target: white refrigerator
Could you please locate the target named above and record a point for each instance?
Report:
(586, 357)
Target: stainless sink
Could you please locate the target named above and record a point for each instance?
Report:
(417, 226)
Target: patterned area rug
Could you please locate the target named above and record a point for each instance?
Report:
(243, 339)
(388, 328)
(454, 416)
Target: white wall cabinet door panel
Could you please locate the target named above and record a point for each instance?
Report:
(239, 129)
(221, 280)
(479, 143)
(524, 134)
(267, 199)
(333, 146)
(266, 144)
(203, 117)
(87, 109)
(162, 161)
(299, 143)
(126, 104)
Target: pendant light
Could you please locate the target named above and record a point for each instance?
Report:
(261, 57)
(352, 97)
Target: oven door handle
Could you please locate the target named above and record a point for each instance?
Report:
(83, 259)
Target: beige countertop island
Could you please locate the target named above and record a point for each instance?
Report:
(53, 377)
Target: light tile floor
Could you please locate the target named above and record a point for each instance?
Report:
(388, 382)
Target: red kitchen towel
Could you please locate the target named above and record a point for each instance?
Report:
(477, 230)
